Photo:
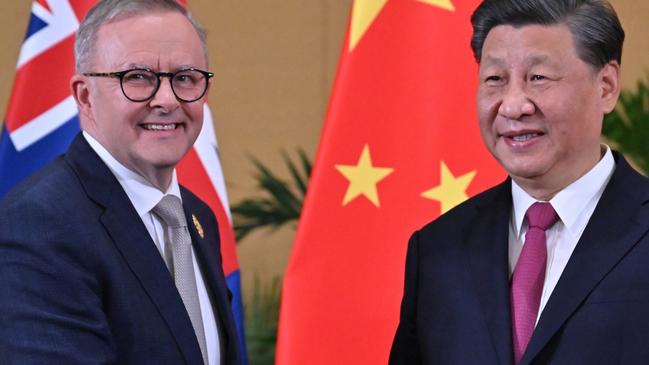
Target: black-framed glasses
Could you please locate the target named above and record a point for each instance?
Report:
(141, 84)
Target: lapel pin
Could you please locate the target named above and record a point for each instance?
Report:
(199, 227)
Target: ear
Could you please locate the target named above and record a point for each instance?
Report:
(81, 93)
(609, 80)
(209, 86)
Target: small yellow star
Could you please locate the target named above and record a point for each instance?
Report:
(364, 12)
(444, 4)
(451, 190)
(363, 178)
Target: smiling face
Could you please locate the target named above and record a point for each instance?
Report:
(149, 137)
(541, 107)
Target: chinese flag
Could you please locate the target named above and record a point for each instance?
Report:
(400, 146)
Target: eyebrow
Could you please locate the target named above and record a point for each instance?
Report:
(539, 59)
(149, 67)
(491, 60)
(137, 65)
(531, 61)
(184, 67)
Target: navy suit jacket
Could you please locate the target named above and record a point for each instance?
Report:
(81, 281)
(456, 310)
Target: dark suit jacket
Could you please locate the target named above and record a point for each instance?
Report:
(81, 281)
(456, 310)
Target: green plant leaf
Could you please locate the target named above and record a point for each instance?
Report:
(627, 127)
(299, 181)
(261, 316)
(280, 201)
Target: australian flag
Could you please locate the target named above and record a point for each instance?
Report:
(41, 115)
(42, 119)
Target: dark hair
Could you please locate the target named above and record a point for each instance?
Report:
(594, 24)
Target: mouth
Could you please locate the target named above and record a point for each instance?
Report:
(524, 137)
(161, 127)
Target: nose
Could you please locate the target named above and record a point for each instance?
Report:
(164, 98)
(516, 102)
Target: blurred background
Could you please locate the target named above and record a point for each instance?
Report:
(274, 63)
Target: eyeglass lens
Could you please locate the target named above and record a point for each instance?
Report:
(140, 85)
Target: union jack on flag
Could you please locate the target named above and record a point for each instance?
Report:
(41, 115)
(42, 119)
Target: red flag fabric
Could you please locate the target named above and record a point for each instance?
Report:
(400, 146)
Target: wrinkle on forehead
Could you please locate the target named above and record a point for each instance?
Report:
(506, 45)
(145, 40)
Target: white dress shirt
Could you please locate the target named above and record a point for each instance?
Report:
(144, 197)
(574, 205)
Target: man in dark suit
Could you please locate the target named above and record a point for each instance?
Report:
(104, 258)
(551, 266)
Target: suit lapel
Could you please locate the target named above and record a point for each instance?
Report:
(617, 224)
(131, 238)
(205, 238)
(487, 251)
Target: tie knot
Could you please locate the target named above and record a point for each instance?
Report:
(170, 210)
(541, 215)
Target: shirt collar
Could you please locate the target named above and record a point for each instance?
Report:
(570, 201)
(142, 194)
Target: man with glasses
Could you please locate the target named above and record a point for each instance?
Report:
(104, 258)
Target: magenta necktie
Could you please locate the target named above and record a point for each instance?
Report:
(529, 274)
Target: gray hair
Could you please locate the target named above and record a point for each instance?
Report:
(594, 25)
(107, 11)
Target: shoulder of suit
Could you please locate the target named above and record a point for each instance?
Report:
(627, 180)
(625, 170)
(49, 209)
(54, 182)
(459, 215)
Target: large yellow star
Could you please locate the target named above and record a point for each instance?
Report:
(365, 11)
(363, 178)
(451, 190)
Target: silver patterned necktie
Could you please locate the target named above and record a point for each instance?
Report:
(170, 210)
